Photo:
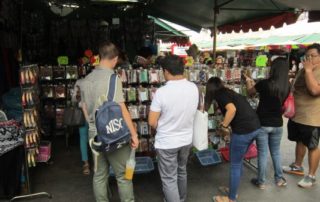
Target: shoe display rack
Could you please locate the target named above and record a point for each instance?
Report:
(31, 122)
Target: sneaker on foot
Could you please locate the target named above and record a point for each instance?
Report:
(293, 169)
(256, 183)
(282, 182)
(307, 182)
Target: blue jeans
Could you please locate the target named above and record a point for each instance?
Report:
(269, 137)
(238, 147)
(83, 131)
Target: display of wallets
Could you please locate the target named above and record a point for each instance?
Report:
(70, 89)
(46, 73)
(59, 72)
(72, 72)
(60, 91)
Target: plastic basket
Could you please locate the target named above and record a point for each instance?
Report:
(251, 153)
(143, 165)
(44, 151)
(208, 157)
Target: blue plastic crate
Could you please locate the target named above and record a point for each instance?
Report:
(143, 165)
(208, 157)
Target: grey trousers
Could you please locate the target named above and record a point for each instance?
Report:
(172, 164)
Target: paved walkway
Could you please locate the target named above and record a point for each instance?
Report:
(65, 181)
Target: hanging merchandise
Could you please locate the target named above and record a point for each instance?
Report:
(143, 76)
(143, 111)
(143, 94)
(152, 92)
(134, 111)
(123, 76)
(132, 94)
(47, 91)
(71, 72)
(59, 117)
(59, 72)
(60, 91)
(154, 76)
(143, 146)
(143, 128)
(194, 75)
(161, 76)
(203, 76)
(236, 74)
(228, 74)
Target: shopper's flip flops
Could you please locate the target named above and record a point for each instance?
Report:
(225, 191)
(86, 169)
(220, 198)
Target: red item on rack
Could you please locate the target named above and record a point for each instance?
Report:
(251, 153)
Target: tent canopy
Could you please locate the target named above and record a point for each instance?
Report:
(200, 14)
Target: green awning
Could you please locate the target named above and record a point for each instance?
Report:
(168, 29)
(279, 40)
(313, 38)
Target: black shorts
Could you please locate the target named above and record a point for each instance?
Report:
(308, 135)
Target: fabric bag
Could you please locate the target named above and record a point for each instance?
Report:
(73, 116)
(288, 107)
(200, 131)
(112, 131)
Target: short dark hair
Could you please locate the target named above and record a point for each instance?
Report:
(108, 50)
(314, 46)
(173, 64)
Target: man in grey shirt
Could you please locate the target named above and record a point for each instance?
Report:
(94, 90)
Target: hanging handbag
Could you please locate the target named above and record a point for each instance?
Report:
(288, 107)
(73, 116)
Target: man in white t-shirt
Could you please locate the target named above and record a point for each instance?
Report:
(172, 114)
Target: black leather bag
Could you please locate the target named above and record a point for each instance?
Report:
(73, 116)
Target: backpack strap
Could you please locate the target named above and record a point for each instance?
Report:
(112, 87)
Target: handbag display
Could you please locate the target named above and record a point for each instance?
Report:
(73, 116)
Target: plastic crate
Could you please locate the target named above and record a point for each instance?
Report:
(143, 165)
(208, 157)
(44, 151)
(251, 153)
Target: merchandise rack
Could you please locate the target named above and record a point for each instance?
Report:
(31, 122)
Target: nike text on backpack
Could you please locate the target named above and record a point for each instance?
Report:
(112, 131)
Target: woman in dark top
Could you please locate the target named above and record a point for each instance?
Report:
(245, 128)
(273, 92)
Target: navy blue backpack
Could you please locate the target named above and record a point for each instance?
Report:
(112, 130)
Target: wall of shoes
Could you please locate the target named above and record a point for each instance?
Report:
(30, 105)
(56, 88)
